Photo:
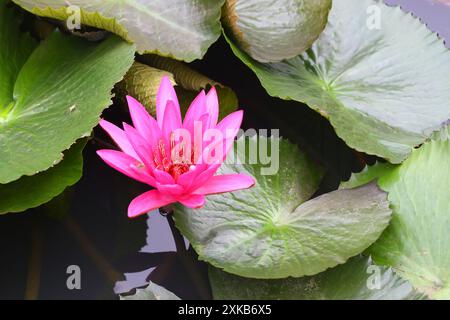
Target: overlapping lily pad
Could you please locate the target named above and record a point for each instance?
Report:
(30, 192)
(272, 230)
(183, 29)
(378, 74)
(15, 49)
(143, 79)
(417, 242)
(52, 96)
(271, 31)
(357, 279)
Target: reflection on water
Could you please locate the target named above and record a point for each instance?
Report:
(157, 229)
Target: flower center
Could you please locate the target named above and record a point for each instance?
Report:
(178, 161)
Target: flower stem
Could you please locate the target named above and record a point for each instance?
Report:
(187, 260)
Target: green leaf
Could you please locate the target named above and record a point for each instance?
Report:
(58, 96)
(368, 174)
(183, 29)
(15, 47)
(357, 279)
(271, 31)
(30, 192)
(142, 82)
(384, 90)
(417, 242)
(271, 230)
(152, 292)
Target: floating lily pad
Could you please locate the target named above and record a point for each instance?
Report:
(417, 242)
(272, 230)
(15, 47)
(357, 279)
(30, 192)
(378, 74)
(368, 174)
(52, 97)
(271, 31)
(183, 29)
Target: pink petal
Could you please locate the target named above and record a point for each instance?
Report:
(163, 177)
(204, 176)
(144, 123)
(172, 189)
(172, 120)
(127, 165)
(193, 201)
(230, 124)
(212, 104)
(119, 137)
(148, 201)
(187, 179)
(230, 127)
(197, 135)
(195, 111)
(226, 183)
(166, 93)
(140, 145)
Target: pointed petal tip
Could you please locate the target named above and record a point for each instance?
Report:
(166, 92)
(239, 112)
(135, 106)
(147, 202)
(131, 100)
(250, 181)
(101, 153)
(212, 90)
(133, 215)
(166, 83)
(165, 78)
(126, 126)
(105, 125)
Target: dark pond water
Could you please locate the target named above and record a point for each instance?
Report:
(88, 227)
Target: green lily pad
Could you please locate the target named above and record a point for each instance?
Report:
(382, 86)
(272, 230)
(368, 174)
(183, 29)
(417, 242)
(30, 192)
(15, 49)
(357, 279)
(151, 292)
(57, 96)
(271, 31)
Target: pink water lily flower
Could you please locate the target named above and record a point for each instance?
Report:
(178, 158)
